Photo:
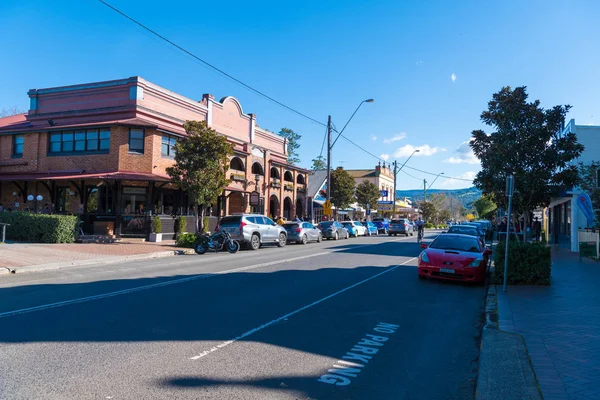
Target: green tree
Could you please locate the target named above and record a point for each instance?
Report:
(367, 193)
(319, 163)
(526, 141)
(428, 211)
(201, 164)
(342, 188)
(484, 206)
(588, 180)
(292, 142)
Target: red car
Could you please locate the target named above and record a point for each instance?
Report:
(454, 257)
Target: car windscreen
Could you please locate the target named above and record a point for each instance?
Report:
(231, 220)
(347, 224)
(325, 224)
(452, 242)
(289, 226)
(463, 229)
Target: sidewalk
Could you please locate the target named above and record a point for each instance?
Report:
(561, 327)
(27, 257)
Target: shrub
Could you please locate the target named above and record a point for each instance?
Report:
(186, 240)
(429, 225)
(205, 223)
(181, 224)
(39, 228)
(156, 224)
(529, 263)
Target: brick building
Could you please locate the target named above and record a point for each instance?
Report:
(101, 149)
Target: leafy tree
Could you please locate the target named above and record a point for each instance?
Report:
(201, 163)
(428, 211)
(443, 216)
(470, 217)
(342, 188)
(293, 144)
(319, 163)
(526, 141)
(484, 206)
(588, 180)
(367, 193)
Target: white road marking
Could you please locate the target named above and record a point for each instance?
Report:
(283, 317)
(174, 282)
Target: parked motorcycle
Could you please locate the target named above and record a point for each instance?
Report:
(216, 242)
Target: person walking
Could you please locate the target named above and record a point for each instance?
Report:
(280, 221)
(536, 227)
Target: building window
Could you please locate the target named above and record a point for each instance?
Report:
(84, 141)
(168, 146)
(136, 141)
(18, 141)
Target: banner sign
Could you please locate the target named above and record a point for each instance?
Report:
(585, 204)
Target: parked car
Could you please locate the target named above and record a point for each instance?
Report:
(355, 228)
(401, 226)
(302, 232)
(253, 230)
(383, 224)
(464, 230)
(371, 228)
(480, 228)
(333, 230)
(454, 257)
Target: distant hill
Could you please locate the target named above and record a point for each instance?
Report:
(462, 196)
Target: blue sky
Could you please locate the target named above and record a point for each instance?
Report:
(430, 66)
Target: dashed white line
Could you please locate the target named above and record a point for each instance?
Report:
(284, 317)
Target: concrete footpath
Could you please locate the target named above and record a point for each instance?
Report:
(34, 257)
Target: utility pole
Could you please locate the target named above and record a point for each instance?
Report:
(329, 158)
(424, 189)
(451, 209)
(510, 186)
(394, 196)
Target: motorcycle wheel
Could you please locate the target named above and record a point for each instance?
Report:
(200, 248)
(233, 246)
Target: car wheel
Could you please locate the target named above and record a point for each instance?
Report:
(254, 242)
(336, 237)
(304, 240)
(282, 240)
(389, 234)
(319, 238)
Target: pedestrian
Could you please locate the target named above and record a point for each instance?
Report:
(46, 209)
(280, 221)
(298, 219)
(537, 229)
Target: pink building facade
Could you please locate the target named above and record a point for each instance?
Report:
(101, 150)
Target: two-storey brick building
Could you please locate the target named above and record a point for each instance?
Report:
(101, 149)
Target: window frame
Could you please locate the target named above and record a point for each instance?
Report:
(14, 153)
(142, 139)
(170, 147)
(98, 136)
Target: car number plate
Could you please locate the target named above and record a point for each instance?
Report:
(447, 270)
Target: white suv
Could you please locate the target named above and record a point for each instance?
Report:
(253, 230)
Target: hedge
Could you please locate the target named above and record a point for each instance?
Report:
(181, 224)
(186, 240)
(39, 228)
(529, 263)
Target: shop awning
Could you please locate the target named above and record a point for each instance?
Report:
(558, 201)
(74, 175)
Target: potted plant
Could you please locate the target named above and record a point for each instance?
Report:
(156, 235)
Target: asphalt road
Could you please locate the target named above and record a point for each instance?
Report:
(336, 320)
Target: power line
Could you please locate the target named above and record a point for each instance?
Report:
(212, 66)
(442, 176)
(412, 176)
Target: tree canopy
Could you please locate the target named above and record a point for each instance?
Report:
(484, 206)
(293, 144)
(342, 188)
(319, 163)
(527, 141)
(367, 193)
(201, 164)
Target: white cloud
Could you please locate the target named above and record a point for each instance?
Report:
(453, 77)
(384, 157)
(424, 150)
(395, 138)
(458, 183)
(373, 137)
(464, 155)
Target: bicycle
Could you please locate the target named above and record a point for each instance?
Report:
(419, 235)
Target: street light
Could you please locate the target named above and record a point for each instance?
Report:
(425, 189)
(396, 173)
(330, 145)
(438, 175)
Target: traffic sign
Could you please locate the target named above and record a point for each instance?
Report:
(383, 193)
(327, 208)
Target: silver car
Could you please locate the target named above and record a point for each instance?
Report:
(302, 232)
(401, 226)
(253, 230)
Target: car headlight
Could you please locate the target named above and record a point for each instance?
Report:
(424, 257)
(476, 262)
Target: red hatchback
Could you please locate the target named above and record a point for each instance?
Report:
(454, 257)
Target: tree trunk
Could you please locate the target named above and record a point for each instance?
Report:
(201, 222)
(197, 224)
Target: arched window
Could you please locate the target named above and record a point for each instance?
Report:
(288, 177)
(237, 164)
(257, 169)
(275, 173)
(300, 179)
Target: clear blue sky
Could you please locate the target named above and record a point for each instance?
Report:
(324, 58)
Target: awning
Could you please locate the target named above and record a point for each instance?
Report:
(71, 175)
(559, 200)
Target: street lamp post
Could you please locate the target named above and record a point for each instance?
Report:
(426, 188)
(438, 175)
(395, 174)
(330, 145)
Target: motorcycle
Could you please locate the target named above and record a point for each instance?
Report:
(216, 242)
